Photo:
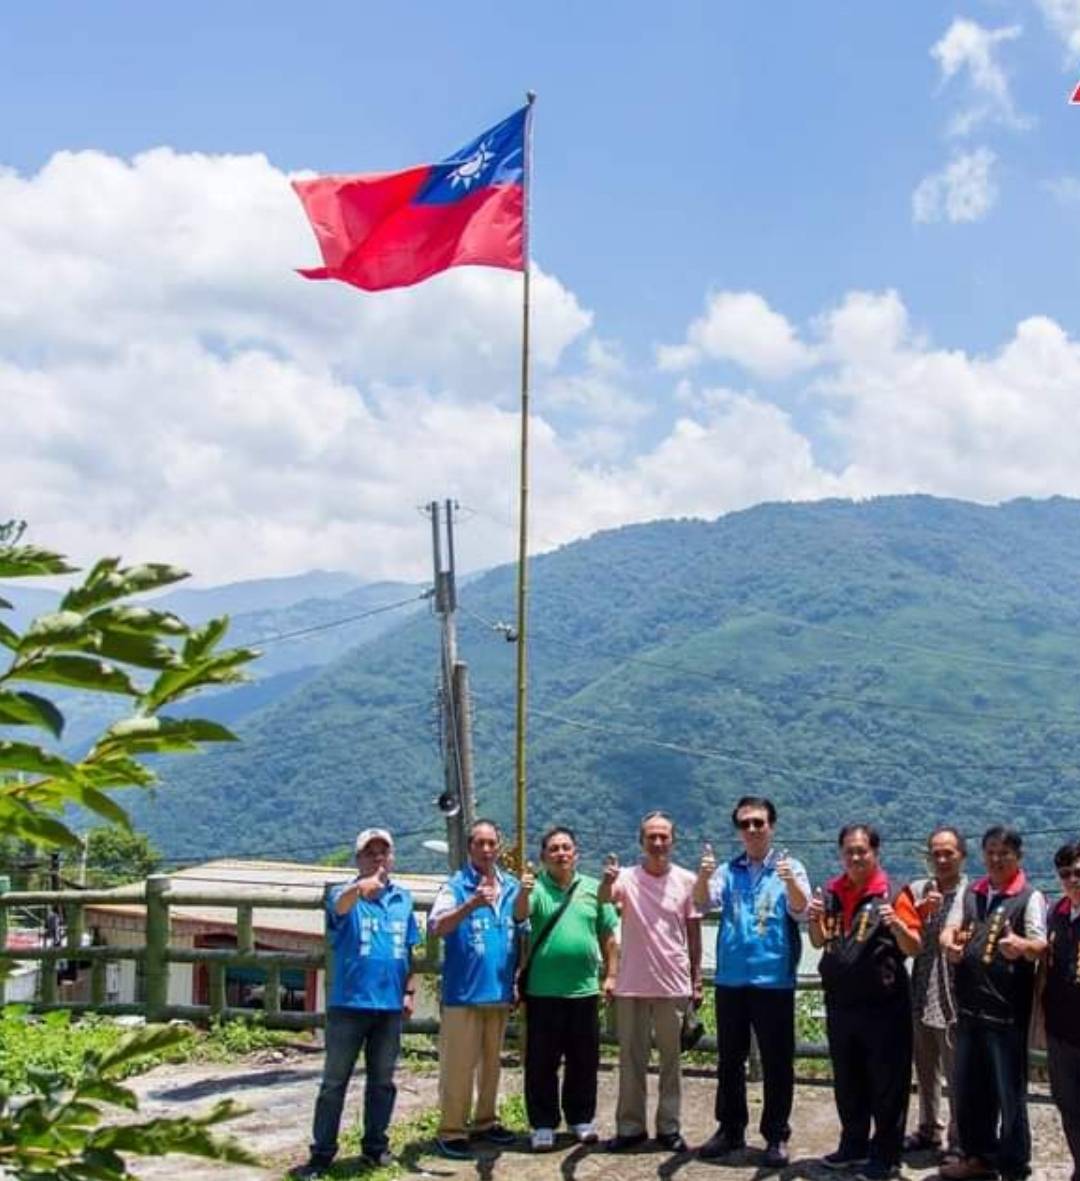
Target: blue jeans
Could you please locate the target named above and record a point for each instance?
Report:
(378, 1033)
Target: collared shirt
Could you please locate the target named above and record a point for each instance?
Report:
(756, 869)
(372, 945)
(1034, 912)
(655, 909)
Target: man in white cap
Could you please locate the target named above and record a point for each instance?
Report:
(372, 932)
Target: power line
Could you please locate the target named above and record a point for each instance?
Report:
(720, 756)
(318, 627)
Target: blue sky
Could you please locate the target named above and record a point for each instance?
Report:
(878, 204)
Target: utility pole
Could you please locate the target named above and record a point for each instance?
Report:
(457, 802)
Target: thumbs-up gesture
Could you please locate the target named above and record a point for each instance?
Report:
(785, 871)
(707, 865)
(487, 891)
(528, 878)
(373, 884)
(816, 910)
(611, 868)
(1010, 944)
(930, 903)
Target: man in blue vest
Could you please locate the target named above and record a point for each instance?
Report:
(759, 895)
(478, 914)
(372, 933)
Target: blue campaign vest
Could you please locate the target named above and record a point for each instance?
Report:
(480, 955)
(372, 945)
(758, 943)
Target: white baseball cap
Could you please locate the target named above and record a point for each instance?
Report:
(373, 834)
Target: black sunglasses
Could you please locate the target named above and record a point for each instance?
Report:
(752, 822)
(1067, 875)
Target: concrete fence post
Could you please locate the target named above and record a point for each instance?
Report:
(156, 966)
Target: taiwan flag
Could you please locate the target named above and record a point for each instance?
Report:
(393, 229)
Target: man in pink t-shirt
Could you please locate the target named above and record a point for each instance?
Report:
(659, 972)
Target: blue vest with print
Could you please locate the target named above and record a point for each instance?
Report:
(480, 956)
(758, 943)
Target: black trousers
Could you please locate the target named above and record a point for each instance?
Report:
(870, 1048)
(770, 1013)
(991, 1093)
(561, 1031)
(1065, 1087)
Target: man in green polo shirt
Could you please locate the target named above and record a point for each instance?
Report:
(573, 938)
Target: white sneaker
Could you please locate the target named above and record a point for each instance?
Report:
(543, 1139)
(586, 1133)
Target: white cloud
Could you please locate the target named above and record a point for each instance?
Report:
(970, 50)
(964, 190)
(1065, 189)
(171, 391)
(1063, 17)
(739, 326)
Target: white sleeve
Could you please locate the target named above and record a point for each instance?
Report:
(1035, 916)
(444, 901)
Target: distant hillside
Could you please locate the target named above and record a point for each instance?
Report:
(904, 659)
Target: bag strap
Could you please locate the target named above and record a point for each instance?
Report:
(545, 931)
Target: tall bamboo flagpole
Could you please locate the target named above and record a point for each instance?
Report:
(523, 510)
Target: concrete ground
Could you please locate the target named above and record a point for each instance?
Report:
(280, 1091)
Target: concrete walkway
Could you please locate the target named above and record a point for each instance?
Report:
(281, 1092)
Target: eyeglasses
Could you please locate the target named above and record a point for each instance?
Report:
(752, 822)
(1070, 875)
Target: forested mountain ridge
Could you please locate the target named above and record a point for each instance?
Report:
(906, 659)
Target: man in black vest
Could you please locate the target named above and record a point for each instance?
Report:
(1062, 998)
(994, 934)
(865, 929)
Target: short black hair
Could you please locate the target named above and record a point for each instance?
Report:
(754, 802)
(554, 830)
(872, 834)
(1067, 855)
(942, 830)
(655, 814)
(1009, 837)
(481, 823)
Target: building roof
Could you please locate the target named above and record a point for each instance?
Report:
(285, 879)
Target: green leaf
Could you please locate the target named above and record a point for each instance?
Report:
(138, 620)
(142, 651)
(58, 628)
(28, 561)
(28, 709)
(57, 794)
(204, 638)
(80, 672)
(222, 669)
(186, 1135)
(106, 1091)
(24, 756)
(148, 735)
(9, 638)
(112, 769)
(108, 582)
(25, 824)
(149, 1040)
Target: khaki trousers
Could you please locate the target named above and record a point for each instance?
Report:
(470, 1043)
(639, 1020)
(933, 1064)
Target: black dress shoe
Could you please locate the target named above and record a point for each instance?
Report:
(720, 1144)
(625, 1143)
(776, 1155)
(672, 1142)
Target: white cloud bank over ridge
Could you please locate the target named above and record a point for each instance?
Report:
(964, 190)
(170, 390)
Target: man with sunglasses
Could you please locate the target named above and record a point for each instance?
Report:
(1062, 998)
(995, 932)
(760, 895)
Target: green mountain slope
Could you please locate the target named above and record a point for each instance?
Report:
(906, 659)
